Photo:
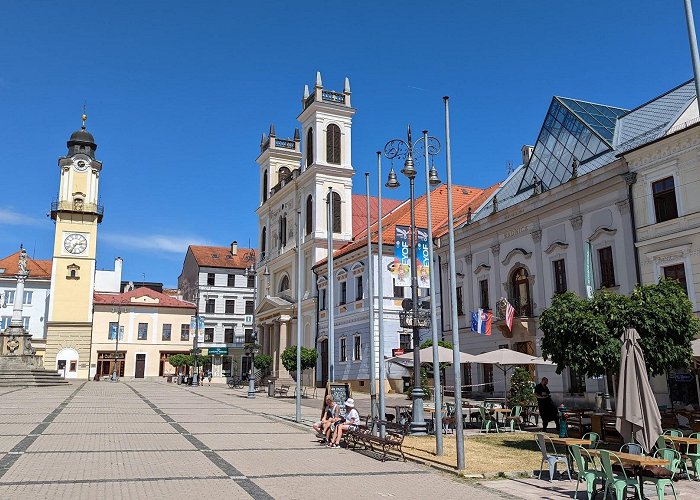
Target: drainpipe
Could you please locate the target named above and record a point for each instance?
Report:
(630, 180)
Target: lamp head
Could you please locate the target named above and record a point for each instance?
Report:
(433, 178)
(392, 182)
(409, 170)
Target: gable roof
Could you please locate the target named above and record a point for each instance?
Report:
(359, 210)
(462, 198)
(38, 269)
(132, 298)
(207, 256)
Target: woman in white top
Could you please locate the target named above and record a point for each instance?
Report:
(352, 420)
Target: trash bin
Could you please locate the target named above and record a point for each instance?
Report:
(406, 385)
(271, 388)
(170, 379)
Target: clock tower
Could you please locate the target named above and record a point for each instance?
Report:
(76, 213)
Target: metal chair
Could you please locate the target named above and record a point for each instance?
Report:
(551, 457)
(514, 418)
(594, 438)
(619, 481)
(582, 458)
(674, 459)
(632, 448)
(486, 420)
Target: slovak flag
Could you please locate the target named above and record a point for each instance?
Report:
(481, 322)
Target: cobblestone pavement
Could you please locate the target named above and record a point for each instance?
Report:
(145, 439)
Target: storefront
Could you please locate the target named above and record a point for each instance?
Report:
(166, 367)
(105, 363)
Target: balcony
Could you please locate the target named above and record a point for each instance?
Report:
(77, 207)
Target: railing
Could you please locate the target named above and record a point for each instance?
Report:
(329, 95)
(285, 143)
(77, 207)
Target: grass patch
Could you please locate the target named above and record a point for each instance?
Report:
(492, 453)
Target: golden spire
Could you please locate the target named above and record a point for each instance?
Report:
(84, 117)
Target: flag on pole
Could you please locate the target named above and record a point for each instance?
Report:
(481, 322)
(510, 313)
(588, 270)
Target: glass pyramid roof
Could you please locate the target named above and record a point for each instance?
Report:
(572, 130)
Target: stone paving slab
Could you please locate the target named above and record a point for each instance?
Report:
(102, 428)
(258, 441)
(264, 427)
(109, 465)
(172, 488)
(109, 442)
(9, 442)
(106, 418)
(16, 429)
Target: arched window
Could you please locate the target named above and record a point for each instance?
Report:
(283, 230)
(333, 144)
(520, 284)
(264, 186)
(336, 213)
(263, 241)
(310, 147)
(284, 174)
(284, 283)
(309, 214)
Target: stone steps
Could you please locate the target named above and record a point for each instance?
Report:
(30, 378)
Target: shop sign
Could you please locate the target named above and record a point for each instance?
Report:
(217, 351)
(683, 377)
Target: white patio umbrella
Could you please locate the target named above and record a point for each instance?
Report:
(505, 359)
(426, 356)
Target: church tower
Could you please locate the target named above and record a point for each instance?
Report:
(76, 213)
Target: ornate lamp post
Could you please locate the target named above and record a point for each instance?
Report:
(413, 316)
(195, 349)
(251, 348)
(118, 309)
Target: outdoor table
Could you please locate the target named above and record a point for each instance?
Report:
(683, 440)
(431, 411)
(399, 409)
(570, 442)
(501, 411)
(638, 461)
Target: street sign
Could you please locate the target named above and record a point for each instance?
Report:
(217, 351)
(248, 319)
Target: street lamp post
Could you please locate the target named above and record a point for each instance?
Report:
(251, 347)
(195, 373)
(118, 309)
(413, 317)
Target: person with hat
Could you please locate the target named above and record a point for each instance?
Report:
(352, 420)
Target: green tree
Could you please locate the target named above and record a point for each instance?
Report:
(522, 388)
(177, 360)
(584, 335)
(308, 358)
(441, 343)
(263, 362)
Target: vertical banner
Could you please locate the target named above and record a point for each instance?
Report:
(423, 258)
(588, 270)
(193, 328)
(401, 267)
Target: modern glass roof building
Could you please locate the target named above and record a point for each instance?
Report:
(590, 135)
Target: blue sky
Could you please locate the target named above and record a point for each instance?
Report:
(179, 92)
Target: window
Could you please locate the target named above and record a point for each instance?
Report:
(211, 305)
(230, 306)
(398, 292)
(210, 279)
(404, 341)
(357, 348)
(249, 337)
(607, 269)
(359, 292)
(336, 213)
(228, 334)
(263, 241)
(460, 302)
(143, 331)
(284, 283)
(231, 280)
(185, 332)
(309, 214)
(484, 294)
(676, 272)
(249, 307)
(559, 276)
(333, 144)
(466, 377)
(520, 284)
(283, 230)
(28, 297)
(664, 193)
(343, 292)
(577, 382)
(112, 333)
(343, 353)
(322, 300)
(487, 373)
(208, 335)
(25, 322)
(166, 332)
(250, 281)
(10, 297)
(264, 187)
(73, 366)
(5, 322)
(310, 147)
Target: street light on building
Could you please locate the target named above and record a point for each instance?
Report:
(119, 308)
(413, 316)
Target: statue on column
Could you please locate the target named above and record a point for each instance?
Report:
(22, 261)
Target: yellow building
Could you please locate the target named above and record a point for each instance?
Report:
(152, 326)
(76, 213)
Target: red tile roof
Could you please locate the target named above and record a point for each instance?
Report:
(462, 198)
(38, 269)
(359, 210)
(126, 298)
(221, 257)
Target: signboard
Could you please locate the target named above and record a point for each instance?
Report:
(588, 270)
(113, 332)
(193, 323)
(683, 377)
(423, 258)
(248, 319)
(397, 352)
(401, 267)
(217, 351)
(340, 393)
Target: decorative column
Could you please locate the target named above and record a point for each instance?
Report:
(282, 344)
(576, 224)
(539, 273)
(495, 252)
(468, 283)
(15, 341)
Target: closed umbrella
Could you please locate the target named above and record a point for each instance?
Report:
(638, 416)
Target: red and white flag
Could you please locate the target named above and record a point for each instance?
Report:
(510, 312)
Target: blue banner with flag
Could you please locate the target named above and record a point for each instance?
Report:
(481, 322)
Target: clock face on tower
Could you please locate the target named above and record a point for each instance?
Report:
(75, 243)
(81, 162)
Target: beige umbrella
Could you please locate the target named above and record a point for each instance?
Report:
(505, 359)
(637, 412)
(426, 356)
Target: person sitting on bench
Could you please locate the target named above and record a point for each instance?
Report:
(352, 420)
(331, 411)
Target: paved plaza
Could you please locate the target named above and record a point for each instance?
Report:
(156, 440)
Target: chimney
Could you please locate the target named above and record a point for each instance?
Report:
(527, 153)
(234, 248)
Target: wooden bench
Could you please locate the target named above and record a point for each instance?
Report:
(393, 437)
(282, 390)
